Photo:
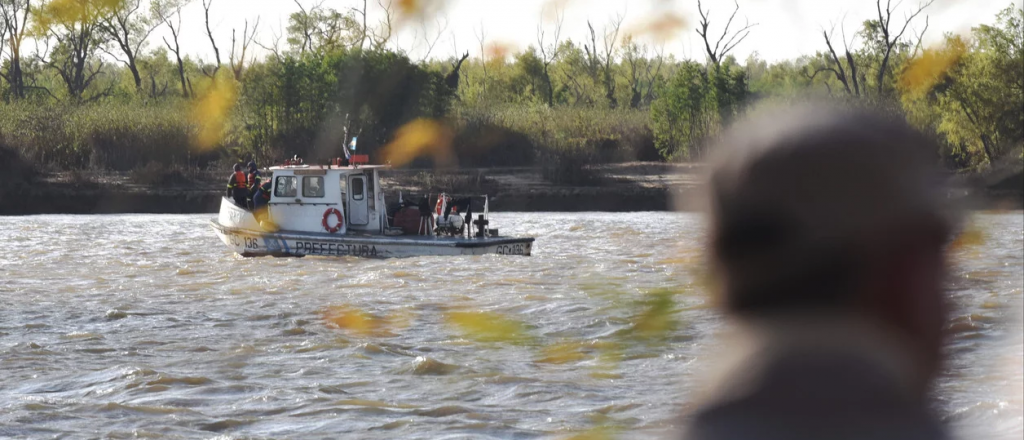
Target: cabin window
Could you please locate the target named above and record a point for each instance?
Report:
(312, 186)
(357, 188)
(285, 186)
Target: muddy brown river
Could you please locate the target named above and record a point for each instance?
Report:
(145, 326)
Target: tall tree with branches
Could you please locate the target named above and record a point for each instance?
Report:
(75, 27)
(238, 64)
(846, 75)
(321, 30)
(128, 28)
(727, 41)
(213, 42)
(891, 36)
(15, 18)
(549, 52)
(603, 63)
(169, 13)
(385, 29)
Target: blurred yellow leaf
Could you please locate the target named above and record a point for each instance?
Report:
(969, 237)
(419, 8)
(74, 11)
(925, 71)
(661, 27)
(608, 358)
(553, 8)
(487, 326)
(657, 316)
(352, 319)
(562, 353)
(421, 137)
(212, 111)
(596, 433)
(498, 51)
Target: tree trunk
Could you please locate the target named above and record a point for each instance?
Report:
(181, 76)
(853, 73)
(135, 73)
(17, 79)
(881, 73)
(986, 143)
(549, 88)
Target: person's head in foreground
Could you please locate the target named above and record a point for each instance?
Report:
(827, 228)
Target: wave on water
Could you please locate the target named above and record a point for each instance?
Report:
(426, 366)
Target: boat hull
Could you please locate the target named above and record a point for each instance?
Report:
(248, 242)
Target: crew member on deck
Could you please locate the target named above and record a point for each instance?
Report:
(254, 181)
(260, 200)
(237, 186)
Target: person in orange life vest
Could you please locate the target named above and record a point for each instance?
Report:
(237, 188)
(254, 181)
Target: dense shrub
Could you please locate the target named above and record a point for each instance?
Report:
(564, 139)
(104, 136)
(14, 168)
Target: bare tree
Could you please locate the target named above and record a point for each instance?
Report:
(15, 15)
(599, 64)
(363, 34)
(275, 47)
(439, 30)
(889, 37)
(481, 38)
(610, 42)
(920, 37)
(549, 53)
(653, 73)
(727, 41)
(237, 66)
(850, 61)
(213, 42)
(129, 29)
(836, 65)
(590, 50)
(382, 35)
(170, 15)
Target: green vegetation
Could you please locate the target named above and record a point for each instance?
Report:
(565, 104)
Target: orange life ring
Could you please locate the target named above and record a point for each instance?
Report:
(341, 220)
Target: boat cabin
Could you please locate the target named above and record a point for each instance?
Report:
(305, 198)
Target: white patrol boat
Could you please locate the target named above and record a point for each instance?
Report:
(335, 210)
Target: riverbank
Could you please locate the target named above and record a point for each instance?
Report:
(638, 186)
